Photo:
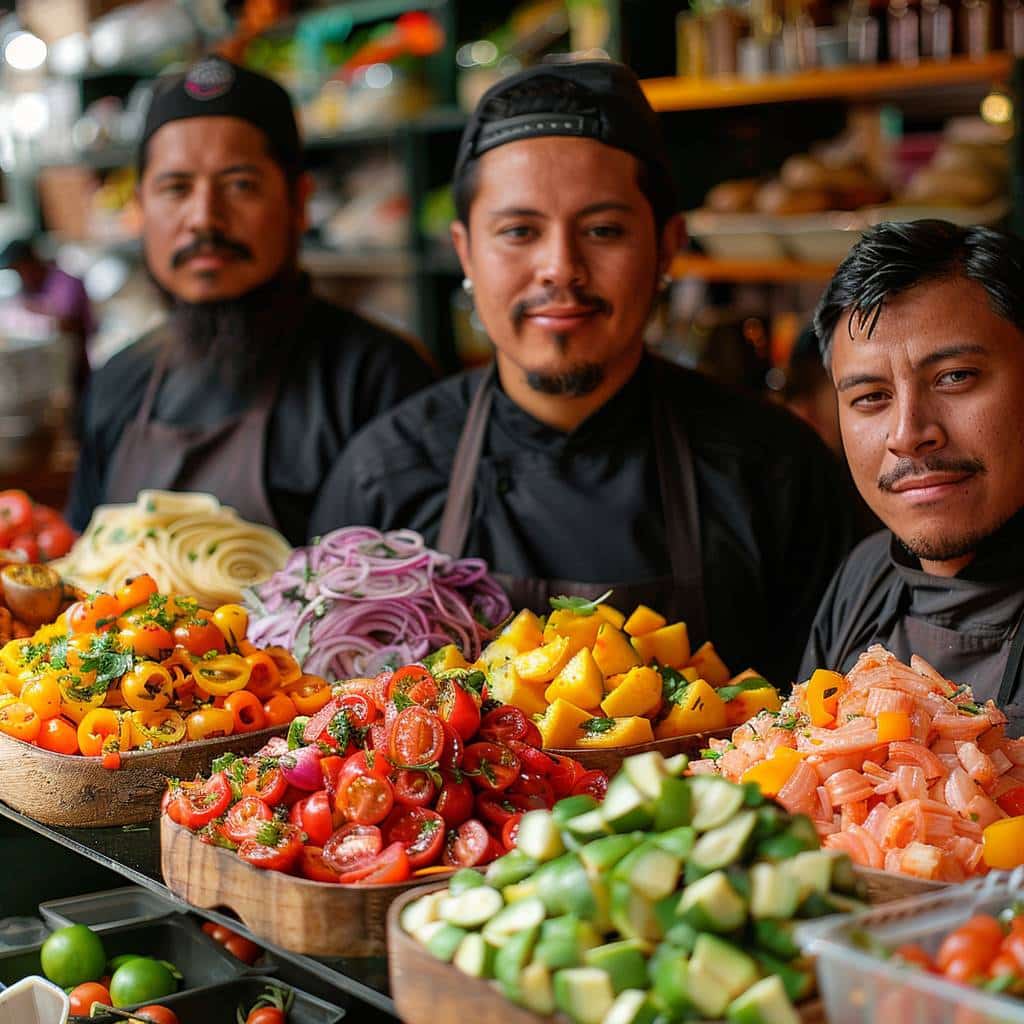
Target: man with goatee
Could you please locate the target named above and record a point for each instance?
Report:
(253, 387)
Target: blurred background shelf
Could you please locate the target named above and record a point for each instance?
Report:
(706, 268)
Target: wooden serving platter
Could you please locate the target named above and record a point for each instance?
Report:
(312, 918)
(426, 991)
(76, 791)
(609, 760)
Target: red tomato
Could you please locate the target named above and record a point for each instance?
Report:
(1012, 801)
(417, 738)
(83, 996)
(242, 949)
(1004, 963)
(245, 818)
(387, 868)
(533, 791)
(352, 845)
(332, 766)
(366, 762)
(15, 512)
(421, 832)
(454, 750)
(977, 940)
(459, 707)
(490, 765)
(563, 774)
(173, 806)
(209, 927)
(495, 809)
(510, 833)
(1013, 945)
(25, 543)
(201, 802)
(467, 846)
(455, 802)
(267, 783)
(912, 954)
(221, 934)
(313, 866)
(504, 724)
(962, 969)
(361, 709)
(413, 788)
(379, 690)
(135, 590)
(278, 852)
(532, 758)
(365, 799)
(157, 1014)
(316, 817)
(378, 737)
(97, 615)
(55, 541)
(199, 635)
(265, 1015)
(414, 682)
(592, 783)
(44, 515)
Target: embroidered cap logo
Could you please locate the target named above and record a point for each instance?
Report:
(209, 79)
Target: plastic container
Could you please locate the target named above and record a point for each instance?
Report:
(859, 987)
(102, 911)
(33, 1001)
(219, 1002)
(21, 933)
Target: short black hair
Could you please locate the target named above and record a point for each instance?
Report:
(894, 257)
(550, 95)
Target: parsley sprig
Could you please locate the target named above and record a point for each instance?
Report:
(579, 605)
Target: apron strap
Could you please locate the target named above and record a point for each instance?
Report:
(458, 506)
(1011, 673)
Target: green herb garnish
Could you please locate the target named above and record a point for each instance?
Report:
(728, 693)
(578, 605)
(596, 726)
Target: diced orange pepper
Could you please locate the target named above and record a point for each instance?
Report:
(1002, 844)
(771, 775)
(823, 691)
(893, 725)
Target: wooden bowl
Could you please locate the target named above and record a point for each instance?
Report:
(885, 886)
(427, 991)
(76, 791)
(312, 918)
(610, 760)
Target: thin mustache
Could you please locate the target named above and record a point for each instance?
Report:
(210, 243)
(592, 303)
(930, 464)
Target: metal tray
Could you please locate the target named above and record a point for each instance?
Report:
(102, 911)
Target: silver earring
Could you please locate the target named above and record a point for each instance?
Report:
(467, 286)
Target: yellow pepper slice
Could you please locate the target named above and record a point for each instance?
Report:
(772, 774)
(823, 691)
(148, 687)
(221, 675)
(1002, 844)
(159, 727)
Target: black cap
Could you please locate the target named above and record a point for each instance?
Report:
(214, 87)
(607, 104)
(15, 251)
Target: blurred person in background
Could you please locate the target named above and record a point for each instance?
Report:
(254, 386)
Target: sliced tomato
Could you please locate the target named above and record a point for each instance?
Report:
(591, 783)
(173, 805)
(415, 683)
(365, 799)
(490, 765)
(421, 832)
(413, 788)
(417, 738)
(352, 845)
(275, 848)
(202, 801)
(453, 752)
(316, 817)
(467, 846)
(389, 867)
(455, 801)
(244, 819)
(313, 866)
(379, 690)
(378, 737)
(315, 730)
(264, 781)
(459, 707)
(510, 831)
(367, 762)
(331, 766)
(504, 724)
(362, 712)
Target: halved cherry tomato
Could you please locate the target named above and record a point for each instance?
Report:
(265, 782)
(378, 691)
(591, 783)
(309, 694)
(313, 866)
(243, 949)
(266, 1015)
(173, 806)
(59, 735)
(247, 711)
(316, 818)
(421, 832)
(276, 847)
(148, 687)
(459, 707)
(96, 615)
(204, 800)
(15, 510)
(198, 635)
(413, 788)
(391, 865)
(287, 667)
(467, 846)
(361, 710)
(279, 710)
(532, 758)
(1004, 963)
(365, 762)
(319, 724)
(136, 590)
(414, 682)
(496, 809)
(972, 947)
(365, 799)
(417, 738)
(264, 676)
(233, 621)
(245, 818)
(453, 751)
(491, 765)
(510, 831)
(455, 802)
(100, 730)
(331, 766)
(913, 954)
(221, 674)
(503, 725)
(534, 792)
(378, 737)
(147, 639)
(352, 845)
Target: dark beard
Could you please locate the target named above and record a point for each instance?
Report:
(581, 380)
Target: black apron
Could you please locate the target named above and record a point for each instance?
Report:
(680, 595)
(225, 459)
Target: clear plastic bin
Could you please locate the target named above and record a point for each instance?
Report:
(102, 911)
(859, 987)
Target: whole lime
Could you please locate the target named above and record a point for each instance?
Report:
(141, 980)
(119, 961)
(72, 956)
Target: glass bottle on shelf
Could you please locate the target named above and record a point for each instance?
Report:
(901, 23)
(862, 33)
(977, 27)
(1013, 27)
(691, 46)
(936, 30)
(799, 37)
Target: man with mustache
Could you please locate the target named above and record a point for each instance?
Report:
(254, 386)
(579, 463)
(923, 330)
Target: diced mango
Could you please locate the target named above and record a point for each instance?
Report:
(579, 630)
(560, 724)
(624, 733)
(613, 651)
(498, 651)
(448, 657)
(505, 684)
(638, 694)
(749, 703)
(669, 645)
(691, 675)
(710, 666)
(544, 663)
(614, 681)
(525, 632)
(612, 615)
(699, 709)
(580, 682)
(644, 620)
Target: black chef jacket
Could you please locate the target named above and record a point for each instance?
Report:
(980, 608)
(775, 515)
(341, 371)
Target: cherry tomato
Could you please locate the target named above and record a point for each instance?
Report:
(20, 721)
(1004, 963)
(242, 949)
(83, 996)
(313, 866)
(279, 710)
(1012, 801)
(414, 682)
(26, 544)
(265, 1015)
(1013, 945)
(510, 831)
(389, 866)
(136, 590)
(963, 969)
(413, 788)
(198, 635)
(534, 792)
(96, 615)
(233, 622)
(365, 762)
(351, 846)
(417, 738)
(532, 758)
(421, 832)
(147, 640)
(15, 510)
(202, 801)
(361, 709)
(331, 766)
(55, 540)
(316, 818)
(491, 765)
(503, 725)
(277, 847)
(467, 846)
(378, 691)
(209, 927)
(210, 722)
(365, 799)
(495, 809)
(563, 774)
(246, 710)
(157, 1014)
(913, 954)
(59, 735)
(264, 675)
(591, 783)
(173, 805)
(221, 934)
(455, 802)
(977, 941)
(454, 750)
(266, 783)
(42, 695)
(309, 694)
(459, 707)
(245, 819)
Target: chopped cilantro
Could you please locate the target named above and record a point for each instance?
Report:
(223, 762)
(596, 726)
(728, 693)
(710, 755)
(107, 659)
(673, 685)
(402, 701)
(339, 728)
(578, 605)
(192, 556)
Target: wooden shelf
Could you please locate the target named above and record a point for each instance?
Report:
(860, 82)
(751, 271)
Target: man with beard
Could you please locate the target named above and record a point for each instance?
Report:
(579, 463)
(923, 330)
(253, 387)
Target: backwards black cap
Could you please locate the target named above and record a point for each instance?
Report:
(214, 87)
(595, 99)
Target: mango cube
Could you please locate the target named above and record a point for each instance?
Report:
(710, 666)
(690, 674)
(625, 732)
(613, 651)
(745, 705)
(498, 651)
(580, 682)
(669, 645)
(560, 724)
(612, 615)
(505, 684)
(542, 664)
(644, 620)
(639, 693)
(699, 709)
(447, 657)
(524, 632)
(579, 630)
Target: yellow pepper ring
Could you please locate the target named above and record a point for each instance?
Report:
(159, 727)
(221, 675)
(73, 705)
(148, 687)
